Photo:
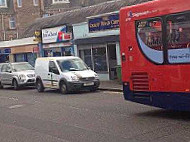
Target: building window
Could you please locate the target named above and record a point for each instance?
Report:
(3, 3)
(19, 3)
(12, 23)
(35, 2)
(60, 1)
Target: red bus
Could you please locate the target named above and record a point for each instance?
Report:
(155, 52)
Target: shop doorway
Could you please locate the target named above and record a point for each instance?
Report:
(112, 59)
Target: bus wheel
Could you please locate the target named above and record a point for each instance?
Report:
(1, 86)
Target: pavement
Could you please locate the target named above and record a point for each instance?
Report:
(112, 85)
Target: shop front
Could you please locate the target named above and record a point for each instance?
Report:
(4, 55)
(57, 42)
(97, 43)
(27, 53)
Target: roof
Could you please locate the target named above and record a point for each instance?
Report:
(9, 9)
(78, 15)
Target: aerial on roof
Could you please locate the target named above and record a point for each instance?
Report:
(78, 15)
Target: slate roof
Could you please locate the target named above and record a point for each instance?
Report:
(9, 9)
(78, 15)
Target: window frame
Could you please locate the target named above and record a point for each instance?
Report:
(12, 21)
(166, 17)
(4, 5)
(36, 2)
(19, 3)
(60, 1)
(163, 40)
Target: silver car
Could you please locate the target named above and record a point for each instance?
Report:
(17, 74)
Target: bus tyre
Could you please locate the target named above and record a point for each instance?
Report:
(1, 86)
(15, 85)
(63, 88)
(39, 86)
(93, 89)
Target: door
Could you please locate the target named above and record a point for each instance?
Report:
(6, 74)
(112, 61)
(53, 75)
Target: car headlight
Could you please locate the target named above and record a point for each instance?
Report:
(96, 76)
(22, 77)
(74, 78)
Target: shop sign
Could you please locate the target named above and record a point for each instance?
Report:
(104, 23)
(57, 34)
(35, 50)
(5, 51)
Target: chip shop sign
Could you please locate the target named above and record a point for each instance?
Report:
(54, 35)
(104, 23)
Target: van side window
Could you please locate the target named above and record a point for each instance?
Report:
(53, 68)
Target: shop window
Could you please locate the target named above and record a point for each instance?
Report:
(86, 56)
(99, 59)
(178, 37)
(149, 35)
(3, 3)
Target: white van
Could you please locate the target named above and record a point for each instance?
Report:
(64, 73)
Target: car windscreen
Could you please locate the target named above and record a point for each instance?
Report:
(22, 67)
(72, 65)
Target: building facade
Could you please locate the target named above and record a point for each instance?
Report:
(17, 15)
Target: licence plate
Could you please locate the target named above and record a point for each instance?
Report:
(89, 84)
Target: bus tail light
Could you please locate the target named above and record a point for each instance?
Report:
(123, 57)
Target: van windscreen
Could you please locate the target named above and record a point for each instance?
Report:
(72, 65)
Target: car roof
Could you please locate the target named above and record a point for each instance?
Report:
(58, 58)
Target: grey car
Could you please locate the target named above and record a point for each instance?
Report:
(16, 74)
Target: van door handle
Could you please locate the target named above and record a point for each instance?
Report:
(49, 74)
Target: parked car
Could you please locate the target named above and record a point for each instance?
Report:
(17, 74)
(64, 73)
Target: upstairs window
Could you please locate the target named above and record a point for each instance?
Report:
(19, 3)
(60, 1)
(12, 23)
(3, 3)
(36, 2)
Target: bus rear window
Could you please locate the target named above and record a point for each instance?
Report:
(149, 35)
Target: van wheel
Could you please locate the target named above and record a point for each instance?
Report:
(63, 88)
(39, 86)
(15, 85)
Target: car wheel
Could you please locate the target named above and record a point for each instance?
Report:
(15, 84)
(39, 86)
(63, 88)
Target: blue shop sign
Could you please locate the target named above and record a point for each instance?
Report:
(5, 51)
(104, 23)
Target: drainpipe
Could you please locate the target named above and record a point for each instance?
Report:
(3, 27)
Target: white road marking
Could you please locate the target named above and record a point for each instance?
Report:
(16, 106)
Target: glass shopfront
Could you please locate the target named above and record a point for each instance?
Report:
(59, 51)
(95, 56)
(26, 57)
